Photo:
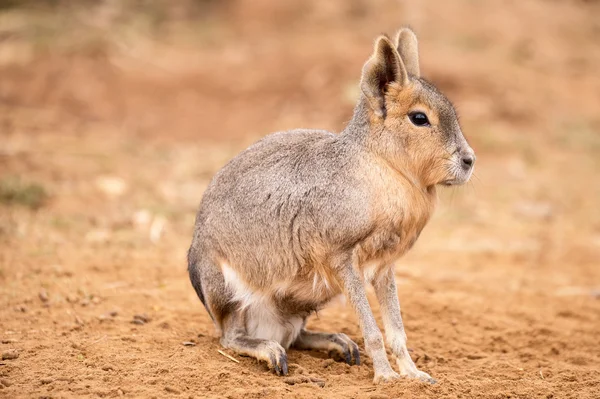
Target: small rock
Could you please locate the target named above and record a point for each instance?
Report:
(9, 341)
(5, 382)
(76, 346)
(10, 354)
(171, 390)
(120, 392)
(328, 362)
(20, 308)
(138, 322)
(141, 218)
(475, 357)
(113, 313)
(143, 317)
(454, 322)
(43, 295)
(46, 380)
(107, 367)
(188, 343)
(156, 228)
(111, 186)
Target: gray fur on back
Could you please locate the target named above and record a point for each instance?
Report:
(280, 201)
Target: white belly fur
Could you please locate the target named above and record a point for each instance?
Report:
(263, 320)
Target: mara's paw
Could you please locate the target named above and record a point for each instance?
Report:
(388, 376)
(420, 375)
(276, 357)
(344, 349)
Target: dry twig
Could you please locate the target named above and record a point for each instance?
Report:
(227, 356)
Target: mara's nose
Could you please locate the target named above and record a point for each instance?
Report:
(467, 161)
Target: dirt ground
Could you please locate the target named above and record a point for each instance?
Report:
(112, 123)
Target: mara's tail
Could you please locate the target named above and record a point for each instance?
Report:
(195, 276)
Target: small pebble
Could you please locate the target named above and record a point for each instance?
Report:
(140, 319)
(46, 380)
(5, 382)
(171, 390)
(9, 341)
(107, 367)
(43, 295)
(328, 362)
(10, 354)
(188, 343)
(113, 313)
(144, 317)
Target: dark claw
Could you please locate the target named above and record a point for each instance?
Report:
(348, 356)
(349, 352)
(356, 355)
(275, 364)
(284, 365)
(280, 365)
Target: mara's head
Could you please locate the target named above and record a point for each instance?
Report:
(412, 124)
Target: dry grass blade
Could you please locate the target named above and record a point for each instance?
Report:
(228, 356)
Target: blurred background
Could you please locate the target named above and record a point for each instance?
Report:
(114, 115)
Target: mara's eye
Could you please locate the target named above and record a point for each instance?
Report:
(418, 119)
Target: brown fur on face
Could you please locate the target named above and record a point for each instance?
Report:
(423, 152)
(427, 155)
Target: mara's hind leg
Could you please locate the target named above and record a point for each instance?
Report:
(337, 345)
(236, 338)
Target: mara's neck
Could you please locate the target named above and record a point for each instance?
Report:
(359, 126)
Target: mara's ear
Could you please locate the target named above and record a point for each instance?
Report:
(383, 68)
(408, 48)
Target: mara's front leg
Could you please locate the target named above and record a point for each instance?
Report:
(387, 295)
(356, 293)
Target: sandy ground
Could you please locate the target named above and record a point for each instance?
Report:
(500, 296)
